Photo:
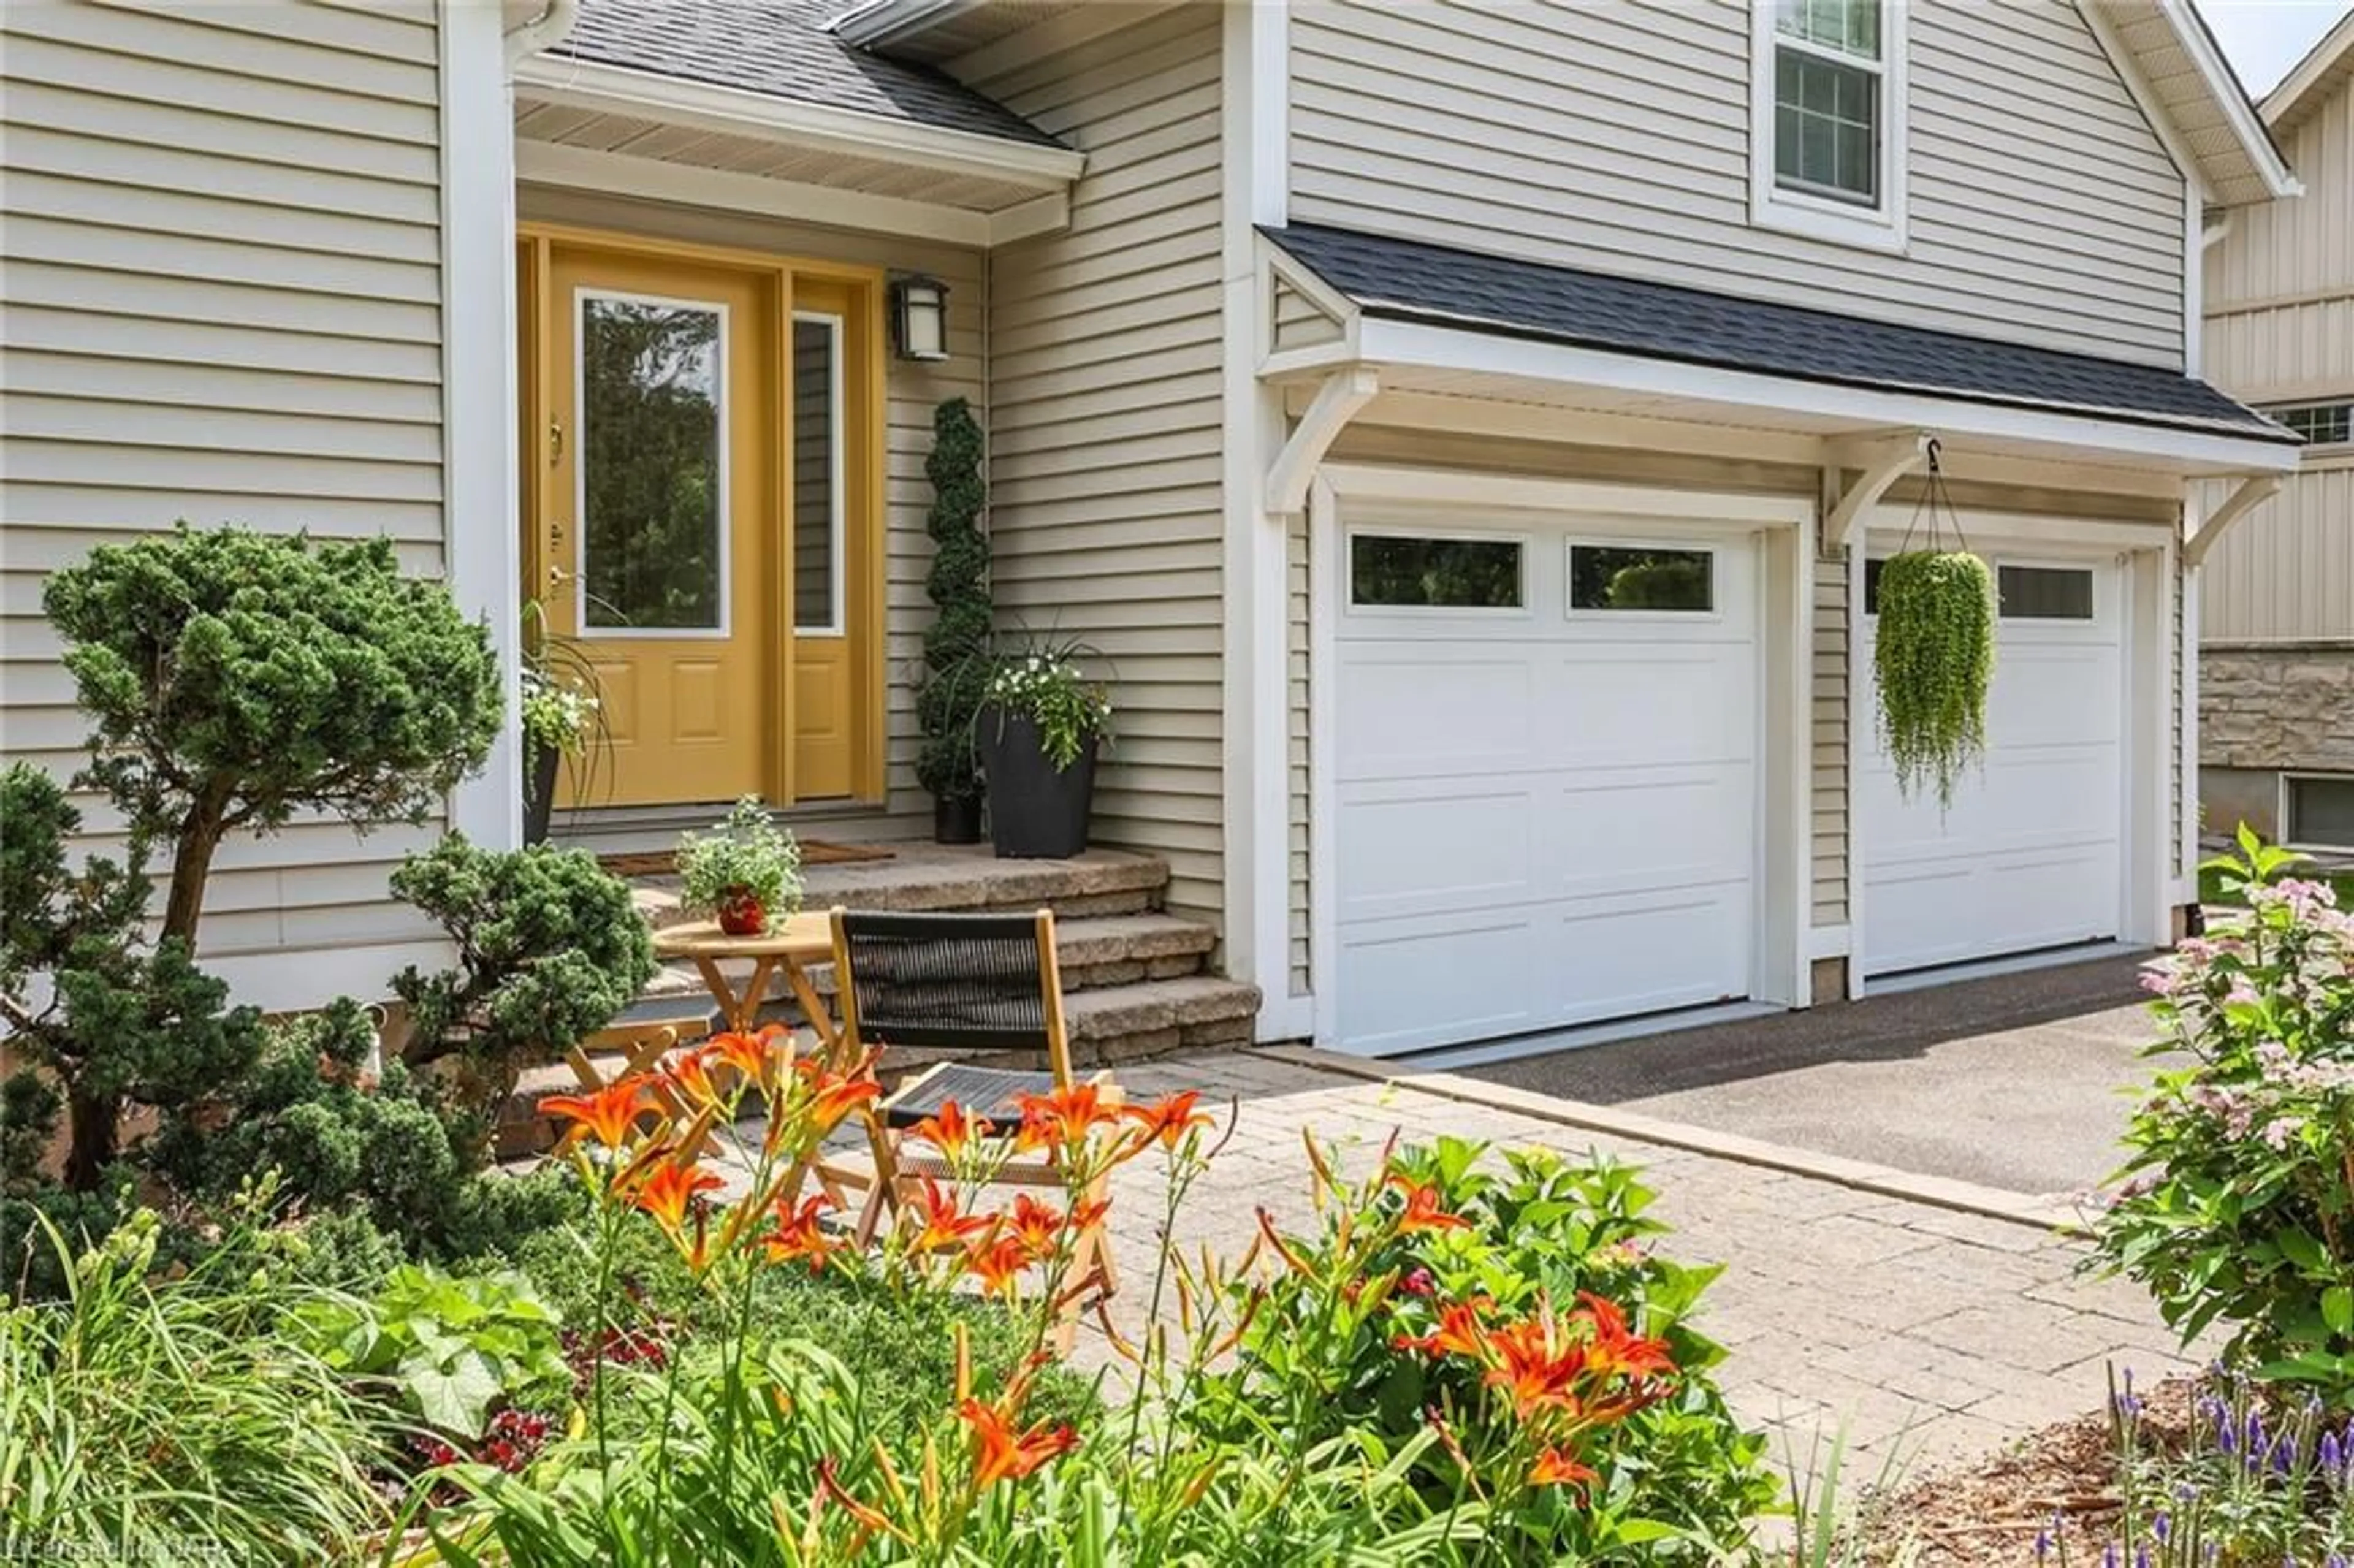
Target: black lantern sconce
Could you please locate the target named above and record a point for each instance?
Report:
(919, 317)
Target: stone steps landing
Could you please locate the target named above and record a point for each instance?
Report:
(957, 879)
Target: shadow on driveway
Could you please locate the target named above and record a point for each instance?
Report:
(2017, 1082)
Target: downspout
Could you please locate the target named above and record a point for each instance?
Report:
(551, 26)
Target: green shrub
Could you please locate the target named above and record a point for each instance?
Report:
(549, 948)
(171, 1422)
(236, 678)
(957, 643)
(2237, 1205)
(1334, 1351)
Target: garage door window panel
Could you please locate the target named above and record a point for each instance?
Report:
(1454, 573)
(2045, 593)
(1640, 579)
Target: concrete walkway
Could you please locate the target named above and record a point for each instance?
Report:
(2018, 1082)
(1903, 1318)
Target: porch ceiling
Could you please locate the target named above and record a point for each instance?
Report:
(649, 141)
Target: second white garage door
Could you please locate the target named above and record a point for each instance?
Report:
(2031, 854)
(1545, 781)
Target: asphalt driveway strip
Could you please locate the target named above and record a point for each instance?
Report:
(2021, 1082)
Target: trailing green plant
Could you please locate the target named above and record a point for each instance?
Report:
(747, 863)
(1044, 682)
(957, 644)
(1436, 1281)
(171, 1420)
(236, 678)
(2236, 1206)
(103, 1022)
(549, 949)
(452, 1348)
(1933, 661)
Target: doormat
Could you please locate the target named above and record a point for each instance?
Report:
(814, 852)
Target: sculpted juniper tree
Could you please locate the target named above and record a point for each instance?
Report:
(236, 678)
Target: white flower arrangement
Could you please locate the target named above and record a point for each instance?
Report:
(556, 717)
(1050, 690)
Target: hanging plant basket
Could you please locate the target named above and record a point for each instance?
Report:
(1934, 661)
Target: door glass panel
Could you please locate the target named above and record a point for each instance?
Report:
(653, 467)
(816, 473)
(2045, 593)
(1392, 571)
(1603, 577)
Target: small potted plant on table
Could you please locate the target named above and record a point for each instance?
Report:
(746, 874)
(1041, 724)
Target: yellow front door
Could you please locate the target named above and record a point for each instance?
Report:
(660, 516)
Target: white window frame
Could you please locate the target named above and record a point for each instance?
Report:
(838, 428)
(1878, 228)
(1373, 528)
(723, 411)
(2287, 820)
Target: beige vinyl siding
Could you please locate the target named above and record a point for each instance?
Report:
(2280, 329)
(1828, 744)
(2043, 207)
(912, 390)
(1104, 468)
(223, 285)
(1298, 321)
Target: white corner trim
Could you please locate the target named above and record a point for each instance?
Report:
(621, 173)
(2252, 491)
(2194, 279)
(1344, 392)
(481, 533)
(1883, 462)
(1384, 342)
(1882, 227)
(1863, 720)
(603, 89)
(1827, 942)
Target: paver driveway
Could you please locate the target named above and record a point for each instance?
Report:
(1838, 1304)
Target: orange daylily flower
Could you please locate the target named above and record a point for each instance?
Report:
(1422, 1210)
(1556, 1468)
(1457, 1334)
(797, 1235)
(1537, 1363)
(951, 1130)
(830, 1487)
(1167, 1120)
(748, 1054)
(1001, 1453)
(1061, 1121)
(608, 1114)
(833, 1096)
(670, 1190)
(1037, 1226)
(689, 1071)
(998, 1264)
(944, 1227)
(1616, 1349)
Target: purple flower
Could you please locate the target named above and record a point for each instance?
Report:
(2332, 1456)
(2160, 1528)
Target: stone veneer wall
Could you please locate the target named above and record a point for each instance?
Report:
(2263, 711)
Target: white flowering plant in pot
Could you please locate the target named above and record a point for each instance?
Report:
(746, 872)
(1043, 723)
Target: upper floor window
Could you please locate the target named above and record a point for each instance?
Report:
(1827, 121)
(2321, 424)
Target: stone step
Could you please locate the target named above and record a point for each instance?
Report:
(962, 880)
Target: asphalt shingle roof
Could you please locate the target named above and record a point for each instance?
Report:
(1411, 280)
(781, 47)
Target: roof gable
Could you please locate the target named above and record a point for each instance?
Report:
(2326, 68)
(2189, 90)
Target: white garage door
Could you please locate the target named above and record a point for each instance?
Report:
(1545, 781)
(2029, 855)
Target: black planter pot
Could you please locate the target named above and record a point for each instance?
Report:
(956, 819)
(1036, 812)
(539, 792)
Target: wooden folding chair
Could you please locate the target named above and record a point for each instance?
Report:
(640, 1036)
(971, 984)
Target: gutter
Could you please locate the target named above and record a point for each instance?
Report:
(552, 25)
(879, 23)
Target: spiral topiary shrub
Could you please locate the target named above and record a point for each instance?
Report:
(957, 643)
(1934, 661)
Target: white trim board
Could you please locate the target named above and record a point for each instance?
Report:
(1384, 342)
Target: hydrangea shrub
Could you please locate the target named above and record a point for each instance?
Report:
(2237, 1204)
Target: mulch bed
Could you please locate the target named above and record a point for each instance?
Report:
(1989, 1510)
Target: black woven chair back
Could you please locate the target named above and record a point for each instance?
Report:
(956, 982)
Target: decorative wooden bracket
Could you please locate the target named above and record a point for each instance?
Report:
(2254, 492)
(1337, 401)
(1884, 460)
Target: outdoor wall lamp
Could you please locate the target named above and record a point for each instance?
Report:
(919, 317)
